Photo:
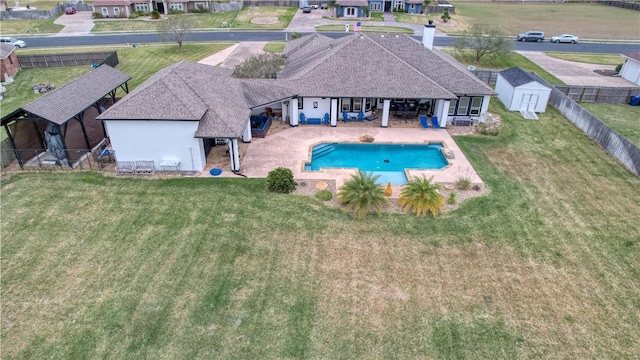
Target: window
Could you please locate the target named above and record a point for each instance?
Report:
(376, 6)
(463, 105)
(369, 104)
(176, 6)
(345, 104)
(357, 104)
(300, 101)
(105, 11)
(116, 11)
(350, 11)
(142, 7)
(452, 107)
(476, 104)
(10, 59)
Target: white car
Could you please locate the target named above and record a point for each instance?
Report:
(564, 38)
(13, 41)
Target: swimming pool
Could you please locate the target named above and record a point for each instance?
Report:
(387, 160)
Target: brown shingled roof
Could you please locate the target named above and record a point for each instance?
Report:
(633, 55)
(69, 100)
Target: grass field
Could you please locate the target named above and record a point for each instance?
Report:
(36, 26)
(622, 118)
(588, 21)
(365, 28)
(140, 63)
(588, 58)
(545, 266)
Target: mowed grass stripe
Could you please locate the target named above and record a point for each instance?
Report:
(544, 265)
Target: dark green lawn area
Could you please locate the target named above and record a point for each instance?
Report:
(546, 265)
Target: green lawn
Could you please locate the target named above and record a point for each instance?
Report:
(202, 21)
(140, 63)
(589, 58)
(544, 266)
(622, 118)
(249, 17)
(21, 28)
(516, 59)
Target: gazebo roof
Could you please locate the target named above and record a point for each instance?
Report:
(71, 99)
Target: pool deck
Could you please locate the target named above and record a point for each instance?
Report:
(290, 147)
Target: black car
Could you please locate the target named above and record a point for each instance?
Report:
(323, 6)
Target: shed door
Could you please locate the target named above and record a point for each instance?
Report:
(529, 102)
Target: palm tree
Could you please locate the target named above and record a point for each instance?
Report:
(421, 196)
(362, 195)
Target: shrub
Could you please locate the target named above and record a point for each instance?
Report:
(324, 195)
(421, 197)
(200, 10)
(361, 195)
(175, 12)
(463, 183)
(618, 68)
(280, 180)
(142, 13)
(484, 129)
(445, 16)
(96, 15)
(452, 198)
(155, 14)
(295, 35)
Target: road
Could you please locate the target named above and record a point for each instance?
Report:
(49, 41)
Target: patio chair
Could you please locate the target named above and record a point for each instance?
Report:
(423, 121)
(325, 118)
(434, 122)
(303, 118)
(346, 116)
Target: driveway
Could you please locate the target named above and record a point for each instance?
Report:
(575, 73)
(79, 23)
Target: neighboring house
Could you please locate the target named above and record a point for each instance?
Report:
(123, 8)
(631, 67)
(410, 6)
(520, 90)
(9, 64)
(183, 110)
(351, 8)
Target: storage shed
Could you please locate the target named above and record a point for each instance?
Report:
(520, 90)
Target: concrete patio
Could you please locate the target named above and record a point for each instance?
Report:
(290, 147)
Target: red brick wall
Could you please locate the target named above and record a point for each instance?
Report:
(10, 65)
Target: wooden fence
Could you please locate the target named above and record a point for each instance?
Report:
(41, 13)
(617, 145)
(54, 60)
(598, 94)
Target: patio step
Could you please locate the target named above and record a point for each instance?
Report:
(322, 150)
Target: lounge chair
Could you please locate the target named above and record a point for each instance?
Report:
(303, 118)
(325, 119)
(434, 122)
(347, 117)
(423, 121)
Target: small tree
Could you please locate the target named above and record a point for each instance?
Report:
(445, 15)
(426, 3)
(421, 197)
(361, 195)
(175, 28)
(263, 66)
(483, 41)
(280, 180)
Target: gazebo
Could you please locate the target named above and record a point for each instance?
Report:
(61, 126)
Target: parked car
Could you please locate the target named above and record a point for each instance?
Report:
(531, 36)
(70, 11)
(324, 6)
(314, 7)
(306, 9)
(13, 41)
(564, 38)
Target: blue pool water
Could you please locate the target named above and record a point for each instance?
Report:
(387, 160)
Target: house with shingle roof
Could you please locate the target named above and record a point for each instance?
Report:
(9, 64)
(181, 111)
(521, 90)
(631, 67)
(354, 8)
(124, 8)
